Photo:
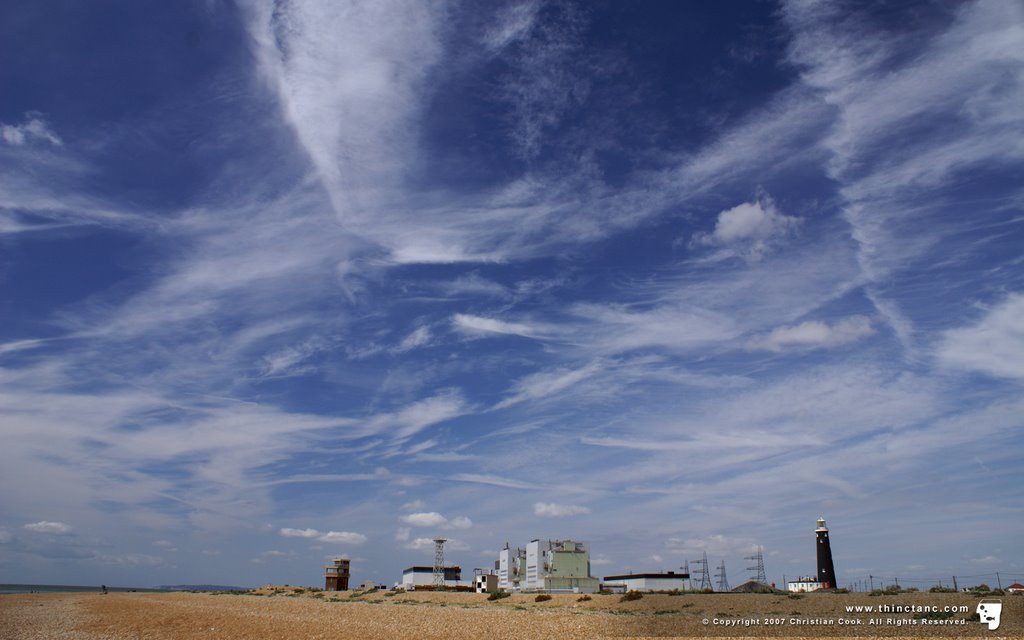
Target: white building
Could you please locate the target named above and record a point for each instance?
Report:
(485, 583)
(424, 577)
(538, 562)
(804, 584)
(511, 567)
(670, 581)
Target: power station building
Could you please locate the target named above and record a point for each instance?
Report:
(551, 565)
(511, 568)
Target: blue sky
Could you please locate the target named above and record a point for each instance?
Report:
(279, 283)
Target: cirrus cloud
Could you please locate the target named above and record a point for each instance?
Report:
(993, 345)
(814, 334)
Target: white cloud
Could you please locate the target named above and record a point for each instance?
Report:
(472, 285)
(477, 324)
(616, 329)
(914, 117)
(714, 545)
(342, 537)
(544, 384)
(347, 77)
(993, 345)
(417, 416)
(402, 534)
(34, 128)
(132, 560)
(44, 526)
(5, 536)
(497, 481)
(418, 338)
(165, 544)
(338, 537)
(553, 510)
(436, 520)
(444, 456)
(422, 544)
(814, 334)
(284, 360)
(750, 229)
(989, 560)
(512, 23)
(430, 519)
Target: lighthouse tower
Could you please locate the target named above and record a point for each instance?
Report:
(826, 571)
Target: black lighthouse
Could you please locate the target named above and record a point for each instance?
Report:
(826, 571)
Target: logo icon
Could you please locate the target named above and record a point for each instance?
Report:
(989, 611)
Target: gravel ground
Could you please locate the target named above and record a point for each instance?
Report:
(287, 614)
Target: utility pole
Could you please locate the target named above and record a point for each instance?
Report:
(872, 578)
(955, 588)
(998, 581)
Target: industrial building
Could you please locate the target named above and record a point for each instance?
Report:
(336, 575)
(511, 568)
(551, 565)
(414, 577)
(670, 581)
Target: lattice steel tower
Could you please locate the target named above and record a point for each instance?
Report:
(439, 561)
(723, 582)
(758, 568)
(705, 574)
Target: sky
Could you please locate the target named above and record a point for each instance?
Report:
(281, 282)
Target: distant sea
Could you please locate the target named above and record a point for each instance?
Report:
(9, 589)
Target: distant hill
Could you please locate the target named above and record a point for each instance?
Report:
(200, 587)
